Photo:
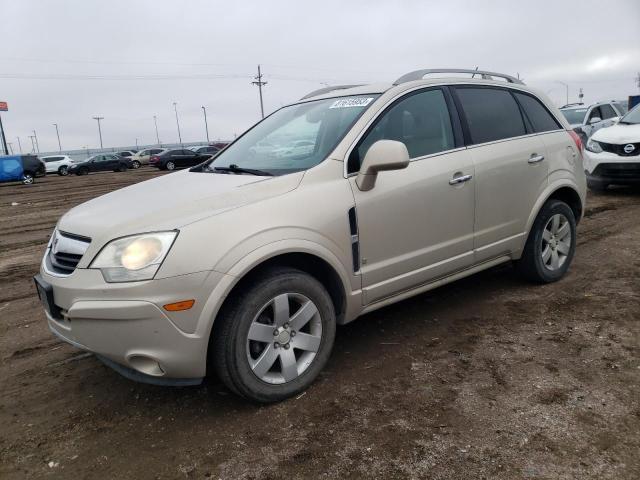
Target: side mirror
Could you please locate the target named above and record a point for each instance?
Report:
(594, 120)
(382, 155)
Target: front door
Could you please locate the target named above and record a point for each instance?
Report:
(416, 224)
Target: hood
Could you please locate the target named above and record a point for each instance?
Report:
(170, 202)
(618, 134)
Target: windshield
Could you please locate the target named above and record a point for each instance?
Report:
(574, 115)
(633, 117)
(294, 138)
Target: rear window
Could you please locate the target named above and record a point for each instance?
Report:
(540, 118)
(491, 113)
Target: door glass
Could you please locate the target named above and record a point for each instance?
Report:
(595, 113)
(537, 114)
(607, 111)
(492, 114)
(420, 120)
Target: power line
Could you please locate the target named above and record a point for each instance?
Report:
(258, 81)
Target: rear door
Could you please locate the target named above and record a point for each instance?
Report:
(510, 167)
(609, 115)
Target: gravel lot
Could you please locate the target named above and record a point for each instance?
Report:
(489, 377)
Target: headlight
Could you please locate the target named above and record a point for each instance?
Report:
(133, 258)
(593, 146)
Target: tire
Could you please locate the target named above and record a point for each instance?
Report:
(551, 244)
(253, 367)
(121, 168)
(597, 186)
(63, 171)
(170, 166)
(135, 164)
(27, 178)
(82, 171)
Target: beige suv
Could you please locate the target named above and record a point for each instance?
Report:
(262, 251)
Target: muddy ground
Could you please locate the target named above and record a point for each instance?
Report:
(489, 377)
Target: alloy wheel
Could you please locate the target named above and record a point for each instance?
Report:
(556, 242)
(284, 338)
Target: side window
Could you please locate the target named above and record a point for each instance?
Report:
(538, 115)
(607, 111)
(595, 112)
(492, 114)
(420, 120)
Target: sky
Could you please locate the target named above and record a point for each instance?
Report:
(66, 61)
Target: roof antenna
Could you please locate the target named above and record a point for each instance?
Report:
(474, 75)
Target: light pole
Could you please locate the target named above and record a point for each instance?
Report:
(36, 138)
(566, 86)
(259, 83)
(33, 145)
(155, 121)
(99, 129)
(10, 145)
(206, 126)
(58, 134)
(19, 144)
(136, 144)
(175, 108)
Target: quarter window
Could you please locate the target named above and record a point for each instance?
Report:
(492, 114)
(421, 121)
(538, 115)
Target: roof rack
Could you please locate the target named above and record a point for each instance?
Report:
(419, 74)
(324, 90)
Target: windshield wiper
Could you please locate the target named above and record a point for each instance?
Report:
(233, 168)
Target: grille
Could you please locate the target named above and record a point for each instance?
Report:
(619, 149)
(65, 252)
(618, 170)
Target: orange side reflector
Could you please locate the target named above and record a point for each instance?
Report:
(179, 306)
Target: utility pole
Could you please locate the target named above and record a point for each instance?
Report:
(19, 144)
(205, 123)
(58, 134)
(10, 147)
(33, 145)
(175, 108)
(136, 144)
(99, 129)
(155, 121)
(260, 84)
(580, 96)
(35, 136)
(4, 140)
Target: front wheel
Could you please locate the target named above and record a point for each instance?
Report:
(551, 244)
(27, 179)
(274, 337)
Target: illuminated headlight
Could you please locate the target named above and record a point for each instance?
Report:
(593, 146)
(133, 258)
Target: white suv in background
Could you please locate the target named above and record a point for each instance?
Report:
(588, 119)
(613, 154)
(57, 164)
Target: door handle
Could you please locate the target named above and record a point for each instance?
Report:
(535, 158)
(460, 179)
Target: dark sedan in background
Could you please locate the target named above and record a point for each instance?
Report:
(172, 159)
(104, 162)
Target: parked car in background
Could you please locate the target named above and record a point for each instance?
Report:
(613, 153)
(586, 120)
(57, 164)
(103, 162)
(21, 168)
(178, 158)
(246, 264)
(206, 149)
(129, 154)
(143, 156)
(297, 148)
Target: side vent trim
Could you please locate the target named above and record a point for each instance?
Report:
(355, 239)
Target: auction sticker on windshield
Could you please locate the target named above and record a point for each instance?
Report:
(352, 102)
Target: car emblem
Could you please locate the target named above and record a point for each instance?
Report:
(629, 147)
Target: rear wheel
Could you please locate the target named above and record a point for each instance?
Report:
(63, 170)
(170, 165)
(551, 244)
(27, 178)
(135, 164)
(274, 337)
(121, 168)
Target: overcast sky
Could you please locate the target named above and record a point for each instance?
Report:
(65, 61)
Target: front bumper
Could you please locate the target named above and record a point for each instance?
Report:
(126, 326)
(608, 168)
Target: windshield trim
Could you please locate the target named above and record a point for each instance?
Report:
(206, 166)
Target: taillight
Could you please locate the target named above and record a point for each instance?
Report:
(577, 139)
(154, 159)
